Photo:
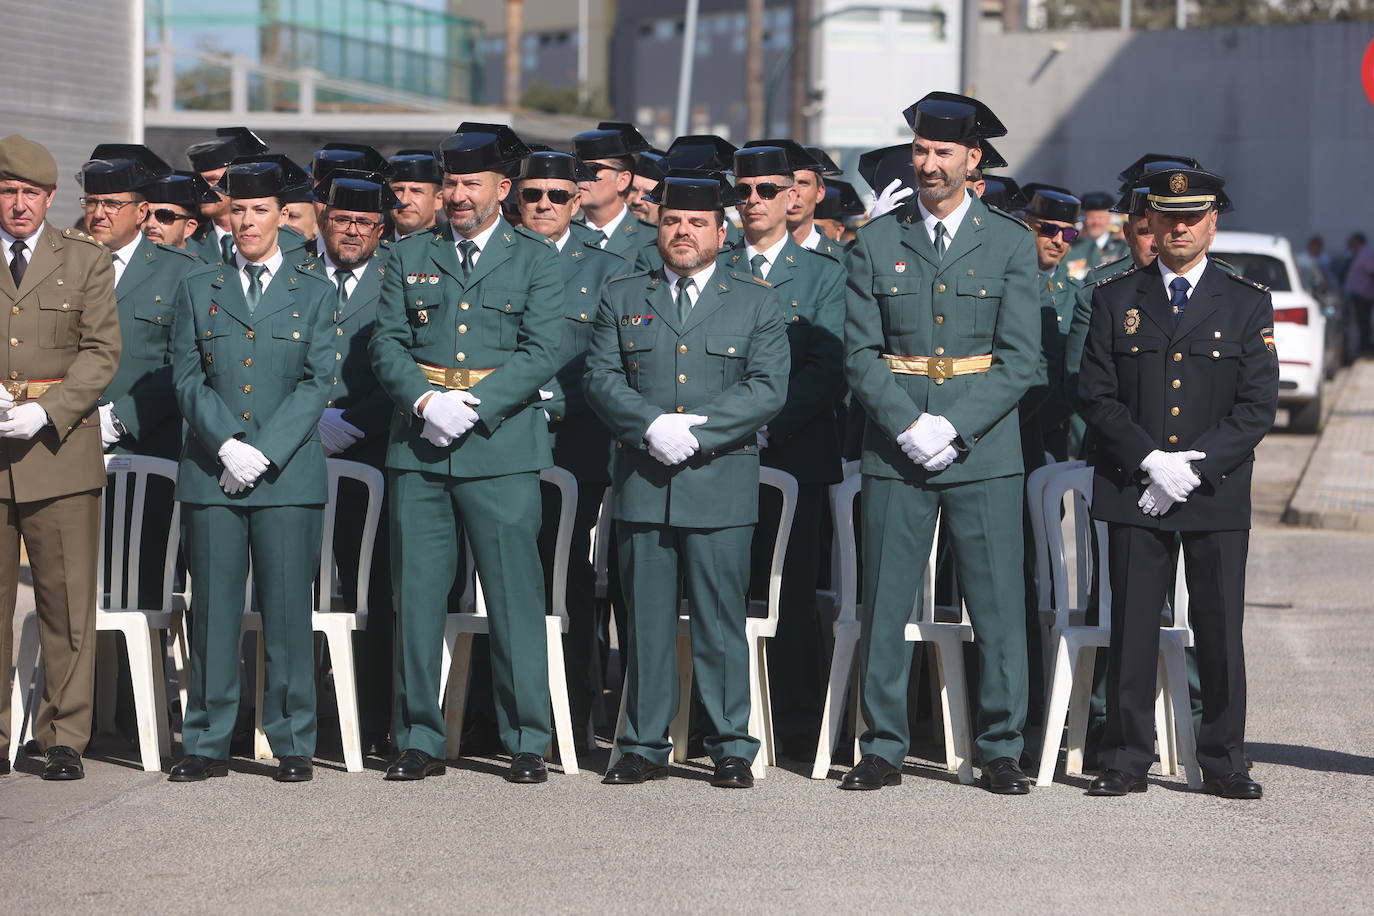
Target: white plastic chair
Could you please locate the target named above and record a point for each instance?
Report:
(141, 627)
(756, 630)
(1035, 494)
(947, 638)
(460, 627)
(1076, 644)
(333, 616)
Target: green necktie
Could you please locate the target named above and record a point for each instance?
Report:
(599, 239)
(341, 277)
(684, 301)
(255, 272)
(940, 241)
(468, 249)
(756, 266)
(226, 248)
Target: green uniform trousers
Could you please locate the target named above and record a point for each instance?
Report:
(283, 543)
(713, 564)
(501, 515)
(984, 523)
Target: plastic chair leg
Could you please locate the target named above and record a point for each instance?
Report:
(954, 701)
(1056, 710)
(558, 694)
(106, 679)
(1080, 707)
(757, 714)
(766, 701)
(677, 732)
(1176, 680)
(24, 691)
(181, 656)
(164, 718)
(458, 695)
(1164, 724)
(836, 692)
(139, 651)
(340, 642)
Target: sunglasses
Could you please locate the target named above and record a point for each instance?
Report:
(766, 189)
(555, 195)
(167, 217)
(1049, 231)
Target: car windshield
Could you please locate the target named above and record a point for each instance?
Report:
(1258, 267)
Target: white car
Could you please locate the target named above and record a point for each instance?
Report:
(1299, 322)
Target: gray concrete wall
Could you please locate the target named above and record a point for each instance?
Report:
(1279, 111)
(67, 74)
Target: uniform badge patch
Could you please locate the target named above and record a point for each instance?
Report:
(624, 321)
(900, 267)
(423, 316)
(214, 309)
(1178, 182)
(1132, 322)
(636, 319)
(647, 320)
(433, 278)
(1267, 335)
(410, 278)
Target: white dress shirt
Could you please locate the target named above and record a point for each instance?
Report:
(480, 240)
(124, 256)
(813, 239)
(610, 228)
(699, 281)
(273, 265)
(952, 222)
(1192, 276)
(770, 254)
(330, 269)
(7, 240)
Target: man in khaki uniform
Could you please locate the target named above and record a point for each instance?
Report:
(63, 331)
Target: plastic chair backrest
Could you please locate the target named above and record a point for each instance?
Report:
(1035, 492)
(126, 511)
(601, 544)
(843, 499)
(786, 485)
(340, 469)
(1079, 483)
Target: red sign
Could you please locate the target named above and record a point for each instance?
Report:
(1367, 72)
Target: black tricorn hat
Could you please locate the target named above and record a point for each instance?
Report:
(117, 167)
(480, 147)
(357, 156)
(991, 158)
(265, 175)
(1153, 162)
(1132, 202)
(651, 164)
(553, 164)
(356, 189)
(695, 189)
(1047, 201)
(185, 189)
(701, 151)
(1002, 192)
(826, 165)
(799, 157)
(1186, 191)
(952, 117)
(1096, 200)
(152, 163)
(753, 161)
(840, 200)
(230, 143)
(416, 165)
(879, 167)
(610, 140)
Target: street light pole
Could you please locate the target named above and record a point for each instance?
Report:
(684, 79)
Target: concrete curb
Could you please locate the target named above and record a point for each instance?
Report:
(1337, 487)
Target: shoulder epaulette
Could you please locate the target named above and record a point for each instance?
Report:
(750, 277)
(1109, 269)
(1239, 278)
(308, 269)
(530, 233)
(1005, 215)
(1226, 266)
(79, 236)
(629, 276)
(179, 251)
(1117, 276)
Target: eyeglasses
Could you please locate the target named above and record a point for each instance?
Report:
(1049, 231)
(167, 217)
(555, 195)
(341, 223)
(766, 190)
(95, 203)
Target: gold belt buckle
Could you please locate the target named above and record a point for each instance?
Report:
(457, 378)
(940, 367)
(18, 390)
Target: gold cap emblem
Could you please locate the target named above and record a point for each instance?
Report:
(1178, 182)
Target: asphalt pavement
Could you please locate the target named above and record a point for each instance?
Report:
(122, 840)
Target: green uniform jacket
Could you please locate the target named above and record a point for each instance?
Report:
(831, 248)
(1058, 296)
(581, 442)
(1084, 256)
(507, 316)
(803, 438)
(141, 390)
(979, 299)
(729, 363)
(263, 378)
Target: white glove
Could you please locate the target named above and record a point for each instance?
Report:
(243, 461)
(545, 396)
(890, 199)
(761, 437)
(927, 437)
(1171, 471)
(670, 437)
(942, 460)
(451, 413)
(6, 402)
(336, 433)
(24, 421)
(231, 484)
(1156, 502)
(432, 435)
(109, 435)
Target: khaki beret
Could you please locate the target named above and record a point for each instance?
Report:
(26, 160)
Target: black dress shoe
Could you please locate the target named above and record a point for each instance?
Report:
(1117, 782)
(733, 773)
(378, 747)
(5, 765)
(1234, 785)
(63, 764)
(195, 768)
(31, 748)
(527, 768)
(1003, 776)
(292, 768)
(872, 772)
(414, 764)
(632, 769)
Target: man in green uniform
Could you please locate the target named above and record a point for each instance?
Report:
(212, 240)
(1096, 244)
(704, 152)
(686, 366)
(609, 152)
(810, 166)
(941, 335)
(416, 179)
(253, 355)
(174, 202)
(468, 329)
(802, 439)
(581, 442)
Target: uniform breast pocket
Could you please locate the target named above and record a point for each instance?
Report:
(290, 341)
(58, 319)
(730, 352)
(899, 301)
(636, 346)
(503, 326)
(1220, 359)
(152, 331)
(213, 345)
(979, 300)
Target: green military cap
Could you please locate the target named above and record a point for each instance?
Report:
(26, 160)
